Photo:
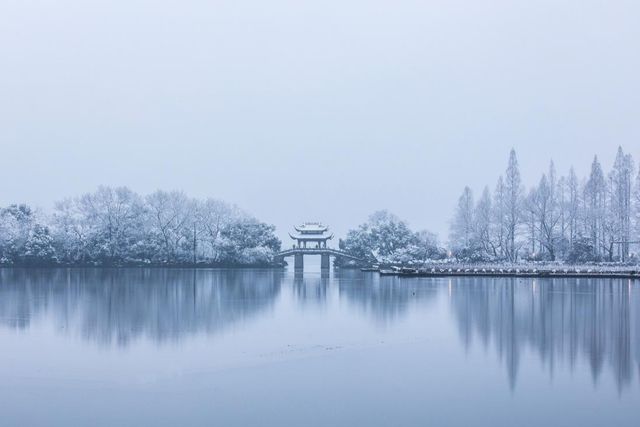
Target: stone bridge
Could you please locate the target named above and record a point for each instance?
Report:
(325, 254)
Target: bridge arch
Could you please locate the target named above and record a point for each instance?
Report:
(298, 255)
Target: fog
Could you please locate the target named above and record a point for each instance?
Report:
(301, 111)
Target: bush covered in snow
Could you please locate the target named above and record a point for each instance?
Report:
(386, 239)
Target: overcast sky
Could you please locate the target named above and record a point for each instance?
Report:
(324, 110)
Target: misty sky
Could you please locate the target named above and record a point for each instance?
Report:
(324, 110)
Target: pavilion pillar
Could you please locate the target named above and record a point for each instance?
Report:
(324, 262)
(298, 262)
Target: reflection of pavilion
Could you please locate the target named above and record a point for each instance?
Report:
(311, 289)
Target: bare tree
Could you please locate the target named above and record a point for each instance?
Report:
(547, 217)
(573, 206)
(636, 209)
(462, 227)
(114, 216)
(483, 225)
(169, 217)
(620, 202)
(530, 220)
(499, 218)
(595, 204)
(213, 216)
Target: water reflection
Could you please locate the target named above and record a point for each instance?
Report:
(121, 305)
(311, 288)
(386, 298)
(565, 322)
(562, 320)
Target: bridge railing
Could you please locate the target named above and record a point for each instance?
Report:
(333, 251)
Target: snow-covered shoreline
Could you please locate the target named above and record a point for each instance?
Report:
(516, 270)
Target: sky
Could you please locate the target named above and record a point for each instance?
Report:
(311, 111)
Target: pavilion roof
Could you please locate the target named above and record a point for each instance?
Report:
(311, 227)
(300, 236)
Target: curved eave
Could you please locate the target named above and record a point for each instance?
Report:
(310, 237)
(318, 230)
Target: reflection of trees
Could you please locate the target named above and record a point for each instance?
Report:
(562, 320)
(386, 297)
(122, 305)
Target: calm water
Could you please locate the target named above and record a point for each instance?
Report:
(264, 348)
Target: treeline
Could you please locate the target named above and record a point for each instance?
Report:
(562, 218)
(384, 238)
(116, 226)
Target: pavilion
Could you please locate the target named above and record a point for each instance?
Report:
(311, 235)
(311, 239)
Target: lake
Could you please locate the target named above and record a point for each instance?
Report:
(181, 347)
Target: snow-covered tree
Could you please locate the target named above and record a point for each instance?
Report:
(530, 221)
(248, 241)
(547, 217)
(211, 217)
(71, 231)
(483, 227)
(463, 225)
(620, 202)
(426, 247)
(388, 233)
(572, 207)
(499, 219)
(117, 226)
(595, 193)
(39, 248)
(563, 227)
(16, 224)
(636, 210)
(386, 238)
(557, 214)
(513, 206)
(169, 222)
(116, 219)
